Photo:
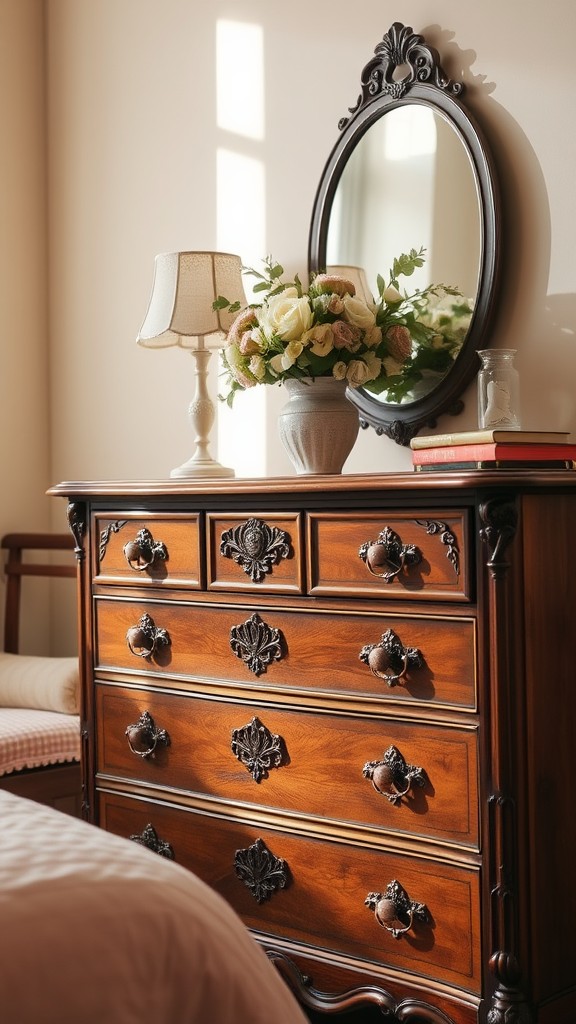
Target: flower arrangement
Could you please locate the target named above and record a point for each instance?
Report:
(386, 345)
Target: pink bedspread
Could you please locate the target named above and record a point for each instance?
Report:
(95, 929)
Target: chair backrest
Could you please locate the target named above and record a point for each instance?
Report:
(15, 567)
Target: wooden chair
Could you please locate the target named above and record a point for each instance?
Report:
(39, 742)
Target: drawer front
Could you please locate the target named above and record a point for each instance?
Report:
(392, 555)
(328, 766)
(255, 552)
(325, 888)
(149, 552)
(323, 652)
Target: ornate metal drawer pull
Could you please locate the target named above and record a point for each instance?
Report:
(394, 910)
(257, 748)
(391, 653)
(256, 643)
(145, 638)
(392, 776)
(143, 736)
(260, 870)
(387, 557)
(255, 546)
(149, 838)
(143, 551)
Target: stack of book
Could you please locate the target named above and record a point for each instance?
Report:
(493, 449)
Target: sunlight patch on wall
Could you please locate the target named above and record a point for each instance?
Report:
(240, 78)
(241, 214)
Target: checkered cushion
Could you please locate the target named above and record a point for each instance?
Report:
(32, 739)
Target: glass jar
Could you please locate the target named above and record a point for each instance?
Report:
(498, 390)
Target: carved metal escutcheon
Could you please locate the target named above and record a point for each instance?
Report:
(260, 870)
(387, 557)
(391, 653)
(394, 910)
(149, 838)
(392, 776)
(255, 546)
(143, 736)
(256, 643)
(257, 748)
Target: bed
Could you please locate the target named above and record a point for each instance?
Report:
(95, 928)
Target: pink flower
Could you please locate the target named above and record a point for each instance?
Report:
(334, 283)
(345, 335)
(248, 343)
(399, 342)
(245, 321)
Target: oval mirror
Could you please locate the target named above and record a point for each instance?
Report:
(409, 172)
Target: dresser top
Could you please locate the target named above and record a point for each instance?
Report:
(339, 484)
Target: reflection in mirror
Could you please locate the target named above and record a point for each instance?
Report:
(412, 172)
(409, 184)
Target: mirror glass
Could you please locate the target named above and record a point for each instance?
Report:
(411, 171)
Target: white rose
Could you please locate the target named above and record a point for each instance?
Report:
(357, 373)
(391, 295)
(392, 367)
(358, 313)
(320, 339)
(288, 316)
(257, 366)
(373, 336)
(284, 360)
(373, 364)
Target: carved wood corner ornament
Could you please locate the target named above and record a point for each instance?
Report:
(509, 1005)
(435, 528)
(499, 516)
(76, 515)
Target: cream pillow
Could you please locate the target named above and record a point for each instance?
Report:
(45, 684)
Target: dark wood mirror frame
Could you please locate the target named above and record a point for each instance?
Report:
(402, 52)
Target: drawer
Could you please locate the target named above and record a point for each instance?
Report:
(325, 888)
(321, 765)
(255, 552)
(149, 552)
(314, 651)
(393, 555)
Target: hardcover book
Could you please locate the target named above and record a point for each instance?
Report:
(489, 436)
(494, 452)
(448, 467)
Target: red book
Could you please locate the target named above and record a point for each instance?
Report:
(494, 452)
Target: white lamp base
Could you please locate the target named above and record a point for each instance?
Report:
(193, 469)
(202, 414)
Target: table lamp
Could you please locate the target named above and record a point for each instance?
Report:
(180, 313)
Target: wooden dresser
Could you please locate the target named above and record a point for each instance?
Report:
(348, 704)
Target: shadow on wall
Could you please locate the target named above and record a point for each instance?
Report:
(547, 365)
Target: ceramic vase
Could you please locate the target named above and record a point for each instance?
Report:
(318, 425)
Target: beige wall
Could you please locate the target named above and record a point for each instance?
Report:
(24, 351)
(132, 154)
